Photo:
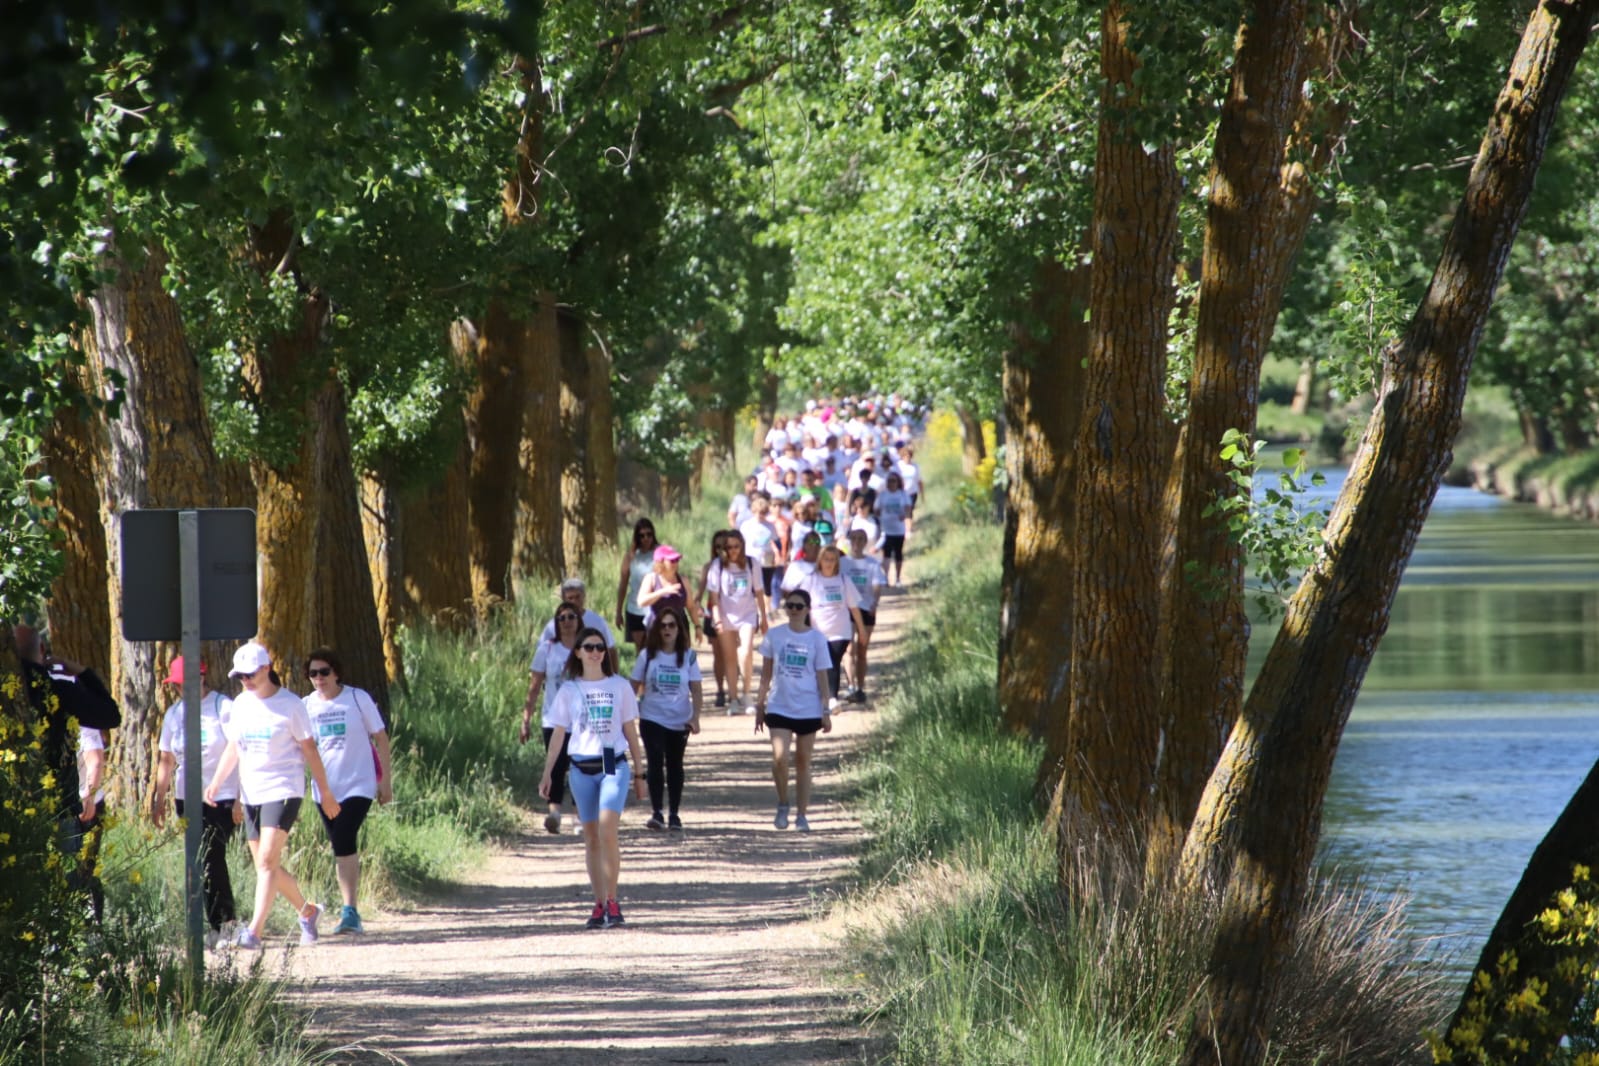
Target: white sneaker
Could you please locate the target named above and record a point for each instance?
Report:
(832, 705)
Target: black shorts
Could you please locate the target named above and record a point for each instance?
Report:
(868, 618)
(800, 727)
(894, 547)
(707, 624)
(343, 830)
(279, 814)
(771, 579)
(914, 496)
(635, 622)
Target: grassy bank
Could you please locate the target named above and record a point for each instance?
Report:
(977, 953)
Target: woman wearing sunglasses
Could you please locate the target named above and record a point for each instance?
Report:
(794, 667)
(354, 745)
(598, 711)
(667, 681)
(549, 667)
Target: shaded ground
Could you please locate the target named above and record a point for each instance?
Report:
(721, 960)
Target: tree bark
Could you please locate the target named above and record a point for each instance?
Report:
(80, 609)
(765, 409)
(1260, 817)
(540, 531)
(1114, 726)
(1257, 215)
(493, 432)
(157, 453)
(1043, 407)
(1304, 387)
(973, 449)
(577, 508)
(346, 617)
(602, 446)
(383, 539)
(285, 371)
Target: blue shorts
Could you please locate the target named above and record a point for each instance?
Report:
(595, 792)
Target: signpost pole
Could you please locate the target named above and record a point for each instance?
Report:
(193, 786)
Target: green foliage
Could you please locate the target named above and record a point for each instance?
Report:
(1280, 536)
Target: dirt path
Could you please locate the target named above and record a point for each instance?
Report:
(720, 961)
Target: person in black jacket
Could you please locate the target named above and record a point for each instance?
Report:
(79, 696)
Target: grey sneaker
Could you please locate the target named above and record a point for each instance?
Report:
(781, 821)
(246, 940)
(308, 926)
(552, 822)
(801, 824)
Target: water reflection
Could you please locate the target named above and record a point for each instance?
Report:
(1479, 716)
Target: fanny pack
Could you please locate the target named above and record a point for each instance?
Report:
(605, 764)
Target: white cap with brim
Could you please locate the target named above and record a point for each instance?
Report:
(248, 659)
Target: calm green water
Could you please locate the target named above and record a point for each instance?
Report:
(1479, 717)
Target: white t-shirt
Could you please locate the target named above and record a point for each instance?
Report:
(735, 589)
(268, 733)
(590, 621)
(215, 710)
(866, 575)
(797, 573)
(89, 740)
(831, 600)
(550, 660)
(796, 658)
(739, 509)
(912, 476)
(344, 727)
(760, 540)
(776, 440)
(891, 510)
(593, 713)
(667, 699)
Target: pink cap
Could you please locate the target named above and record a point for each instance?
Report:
(667, 554)
(175, 674)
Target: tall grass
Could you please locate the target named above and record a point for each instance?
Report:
(979, 949)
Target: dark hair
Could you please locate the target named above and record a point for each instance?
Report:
(638, 530)
(327, 655)
(574, 663)
(272, 676)
(803, 594)
(555, 619)
(653, 639)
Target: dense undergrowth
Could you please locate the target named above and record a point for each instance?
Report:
(978, 953)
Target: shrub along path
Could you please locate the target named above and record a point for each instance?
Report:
(720, 960)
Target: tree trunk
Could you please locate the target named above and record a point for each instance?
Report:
(158, 453)
(80, 598)
(602, 446)
(973, 450)
(433, 526)
(385, 549)
(493, 433)
(1535, 432)
(1260, 817)
(1114, 729)
(540, 531)
(1258, 212)
(286, 373)
(577, 509)
(1304, 387)
(765, 409)
(1522, 954)
(346, 617)
(1043, 406)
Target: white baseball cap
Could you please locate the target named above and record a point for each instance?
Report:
(248, 659)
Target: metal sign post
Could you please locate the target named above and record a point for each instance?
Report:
(190, 576)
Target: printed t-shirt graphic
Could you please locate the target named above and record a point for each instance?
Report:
(344, 726)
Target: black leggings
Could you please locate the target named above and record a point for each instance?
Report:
(216, 830)
(663, 751)
(836, 649)
(562, 764)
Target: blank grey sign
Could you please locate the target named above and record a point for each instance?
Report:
(152, 598)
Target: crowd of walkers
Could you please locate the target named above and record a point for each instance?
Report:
(813, 540)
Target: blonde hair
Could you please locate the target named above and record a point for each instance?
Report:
(837, 556)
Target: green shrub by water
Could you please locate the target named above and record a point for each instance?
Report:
(976, 954)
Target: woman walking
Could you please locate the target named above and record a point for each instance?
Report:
(596, 708)
(866, 574)
(736, 605)
(271, 745)
(218, 819)
(354, 745)
(893, 508)
(835, 612)
(667, 682)
(794, 670)
(549, 669)
(637, 562)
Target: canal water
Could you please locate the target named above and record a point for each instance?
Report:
(1479, 716)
